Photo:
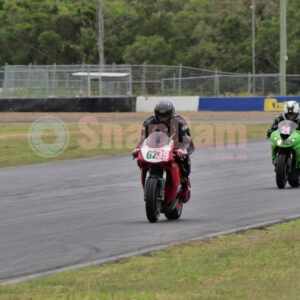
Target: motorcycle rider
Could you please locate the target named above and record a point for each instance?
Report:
(291, 112)
(176, 127)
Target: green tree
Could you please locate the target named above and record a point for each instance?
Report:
(149, 50)
(198, 33)
(268, 46)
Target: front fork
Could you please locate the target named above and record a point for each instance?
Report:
(161, 182)
(289, 161)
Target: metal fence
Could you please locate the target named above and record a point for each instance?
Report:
(64, 81)
(150, 80)
(231, 85)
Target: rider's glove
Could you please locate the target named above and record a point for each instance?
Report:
(269, 132)
(135, 153)
(180, 154)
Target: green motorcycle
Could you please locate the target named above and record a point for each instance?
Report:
(286, 154)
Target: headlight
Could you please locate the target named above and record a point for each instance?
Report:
(279, 142)
(289, 142)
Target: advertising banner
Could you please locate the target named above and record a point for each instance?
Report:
(244, 103)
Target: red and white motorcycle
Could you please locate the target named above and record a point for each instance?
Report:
(161, 176)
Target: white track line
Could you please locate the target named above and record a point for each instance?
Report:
(145, 251)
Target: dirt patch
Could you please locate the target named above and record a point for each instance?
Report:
(13, 117)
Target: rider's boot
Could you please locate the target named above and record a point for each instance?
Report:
(186, 191)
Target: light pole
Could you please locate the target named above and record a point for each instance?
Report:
(283, 51)
(253, 45)
(101, 32)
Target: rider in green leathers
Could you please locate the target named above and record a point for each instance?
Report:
(291, 112)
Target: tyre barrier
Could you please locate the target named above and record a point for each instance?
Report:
(91, 104)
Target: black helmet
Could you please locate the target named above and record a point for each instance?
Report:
(164, 109)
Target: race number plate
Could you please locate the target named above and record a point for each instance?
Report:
(285, 130)
(157, 154)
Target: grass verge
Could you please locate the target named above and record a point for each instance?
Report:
(257, 264)
(99, 140)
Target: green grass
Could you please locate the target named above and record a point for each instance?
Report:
(15, 149)
(257, 131)
(98, 141)
(257, 264)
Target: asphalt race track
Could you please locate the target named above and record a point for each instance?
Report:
(62, 214)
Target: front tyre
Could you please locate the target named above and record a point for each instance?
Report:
(281, 174)
(152, 204)
(174, 214)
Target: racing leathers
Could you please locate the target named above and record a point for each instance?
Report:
(177, 128)
(276, 121)
(274, 127)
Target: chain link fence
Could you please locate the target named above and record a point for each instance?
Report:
(64, 81)
(148, 80)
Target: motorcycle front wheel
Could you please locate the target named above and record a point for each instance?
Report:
(281, 173)
(152, 203)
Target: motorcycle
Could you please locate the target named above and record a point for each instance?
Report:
(286, 154)
(161, 176)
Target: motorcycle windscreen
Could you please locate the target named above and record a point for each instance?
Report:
(157, 147)
(157, 139)
(286, 128)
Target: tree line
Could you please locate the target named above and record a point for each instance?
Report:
(212, 34)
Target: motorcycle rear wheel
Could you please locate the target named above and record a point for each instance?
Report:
(152, 204)
(293, 180)
(174, 214)
(281, 174)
